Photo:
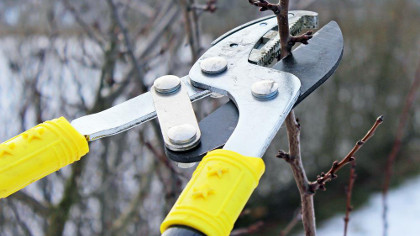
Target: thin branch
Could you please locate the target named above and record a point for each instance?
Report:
(210, 6)
(189, 29)
(297, 217)
(88, 30)
(128, 44)
(127, 215)
(281, 10)
(162, 158)
(295, 160)
(265, 5)
(409, 101)
(20, 222)
(34, 204)
(254, 228)
(349, 191)
(161, 25)
(331, 174)
(306, 189)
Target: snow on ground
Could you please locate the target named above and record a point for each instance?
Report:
(403, 214)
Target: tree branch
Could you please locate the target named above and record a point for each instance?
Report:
(34, 204)
(349, 190)
(281, 10)
(137, 67)
(331, 174)
(254, 228)
(409, 101)
(296, 218)
(88, 30)
(295, 160)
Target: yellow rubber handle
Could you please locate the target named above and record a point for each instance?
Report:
(216, 194)
(38, 152)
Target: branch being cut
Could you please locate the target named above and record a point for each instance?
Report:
(331, 174)
(281, 10)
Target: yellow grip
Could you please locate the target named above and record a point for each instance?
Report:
(38, 152)
(216, 194)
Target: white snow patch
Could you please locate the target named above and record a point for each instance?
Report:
(403, 214)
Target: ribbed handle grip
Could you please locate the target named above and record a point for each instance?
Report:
(216, 194)
(38, 152)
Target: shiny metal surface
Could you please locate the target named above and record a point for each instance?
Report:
(167, 84)
(259, 120)
(177, 120)
(126, 115)
(182, 134)
(265, 89)
(213, 65)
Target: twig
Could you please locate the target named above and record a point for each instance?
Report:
(296, 218)
(349, 191)
(22, 224)
(137, 67)
(295, 160)
(306, 189)
(409, 100)
(128, 214)
(210, 6)
(281, 10)
(88, 30)
(248, 230)
(188, 22)
(161, 24)
(331, 174)
(163, 159)
(34, 204)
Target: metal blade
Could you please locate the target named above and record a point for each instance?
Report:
(314, 63)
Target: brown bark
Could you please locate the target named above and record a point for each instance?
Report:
(295, 160)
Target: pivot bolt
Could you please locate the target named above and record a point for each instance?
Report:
(213, 65)
(182, 134)
(185, 165)
(167, 84)
(265, 89)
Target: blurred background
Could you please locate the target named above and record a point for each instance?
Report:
(72, 58)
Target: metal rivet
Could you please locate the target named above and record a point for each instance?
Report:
(213, 65)
(182, 134)
(167, 84)
(185, 165)
(263, 23)
(265, 89)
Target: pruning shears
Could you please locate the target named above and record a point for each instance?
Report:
(238, 65)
